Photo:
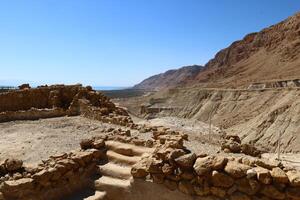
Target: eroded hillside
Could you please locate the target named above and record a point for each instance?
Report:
(257, 116)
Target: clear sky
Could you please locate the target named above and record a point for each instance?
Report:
(121, 42)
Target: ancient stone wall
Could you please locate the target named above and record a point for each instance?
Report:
(216, 177)
(57, 178)
(41, 97)
(60, 100)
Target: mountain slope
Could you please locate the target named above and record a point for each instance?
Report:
(170, 78)
(269, 55)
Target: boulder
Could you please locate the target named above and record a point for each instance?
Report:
(234, 138)
(205, 165)
(279, 175)
(263, 175)
(186, 161)
(18, 185)
(236, 170)
(86, 144)
(294, 178)
(139, 170)
(251, 150)
(220, 179)
(12, 164)
(248, 186)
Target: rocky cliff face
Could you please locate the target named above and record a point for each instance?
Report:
(272, 53)
(170, 78)
(269, 55)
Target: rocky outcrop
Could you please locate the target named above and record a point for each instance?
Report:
(171, 78)
(265, 56)
(258, 117)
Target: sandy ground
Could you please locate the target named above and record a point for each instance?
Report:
(33, 141)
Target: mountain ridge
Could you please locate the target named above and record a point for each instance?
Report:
(270, 54)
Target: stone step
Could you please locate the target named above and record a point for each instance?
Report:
(127, 149)
(116, 171)
(121, 159)
(114, 188)
(99, 195)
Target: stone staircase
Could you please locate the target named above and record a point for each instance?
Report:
(116, 179)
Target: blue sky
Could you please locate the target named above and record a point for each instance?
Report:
(121, 42)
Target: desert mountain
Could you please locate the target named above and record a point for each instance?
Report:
(170, 78)
(269, 55)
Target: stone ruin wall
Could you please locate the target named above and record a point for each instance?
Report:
(172, 165)
(59, 100)
(216, 177)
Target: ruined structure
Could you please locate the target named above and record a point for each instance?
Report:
(118, 166)
(59, 100)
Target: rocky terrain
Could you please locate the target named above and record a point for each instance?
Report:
(269, 55)
(171, 78)
(257, 116)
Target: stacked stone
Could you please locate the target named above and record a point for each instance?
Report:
(55, 178)
(216, 177)
(61, 100)
(233, 144)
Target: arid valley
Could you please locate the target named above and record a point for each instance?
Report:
(229, 129)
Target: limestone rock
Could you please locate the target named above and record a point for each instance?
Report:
(220, 179)
(294, 178)
(186, 161)
(86, 144)
(263, 175)
(236, 170)
(279, 175)
(248, 186)
(207, 164)
(139, 170)
(12, 165)
(20, 184)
